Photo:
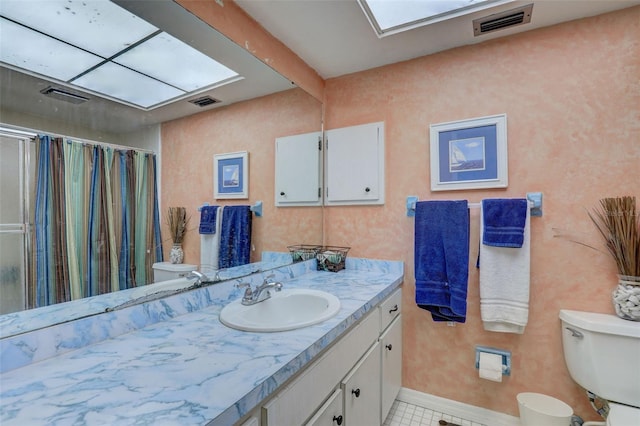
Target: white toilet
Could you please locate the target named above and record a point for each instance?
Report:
(165, 271)
(602, 353)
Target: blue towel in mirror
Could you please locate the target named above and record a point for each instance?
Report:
(235, 236)
(504, 220)
(208, 219)
(442, 258)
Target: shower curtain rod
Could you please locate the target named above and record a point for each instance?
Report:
(33, 133)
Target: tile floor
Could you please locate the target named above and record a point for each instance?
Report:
(405, 414)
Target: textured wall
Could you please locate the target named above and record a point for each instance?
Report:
(572, 97)
(188, 147)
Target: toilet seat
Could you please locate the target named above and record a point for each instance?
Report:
(623, 415)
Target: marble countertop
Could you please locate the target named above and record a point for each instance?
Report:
(187, 369)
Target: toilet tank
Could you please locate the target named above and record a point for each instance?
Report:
(602, 353)
(165, 271)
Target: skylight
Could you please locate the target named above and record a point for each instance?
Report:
(393, 16)
(99, 46)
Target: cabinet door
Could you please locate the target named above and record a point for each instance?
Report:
(331, 413)
(355, 165)
(253, 420)
(298, 170)
(391, 348)
(361, 390)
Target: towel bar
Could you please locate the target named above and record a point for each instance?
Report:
(256, 208)
(534, 198)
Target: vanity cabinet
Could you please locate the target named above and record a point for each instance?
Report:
(361, 389)
(331, 413)
(355, 165)
(298, 170)
(391, 365)
(390, 351)
(353, 383)
(301, 399)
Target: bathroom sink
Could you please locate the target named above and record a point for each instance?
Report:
(288, 309)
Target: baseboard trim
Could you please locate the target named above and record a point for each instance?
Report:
(457, 409)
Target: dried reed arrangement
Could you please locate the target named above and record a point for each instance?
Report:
(177, 220)
(619, 224)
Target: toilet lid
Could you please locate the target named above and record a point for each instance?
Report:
(623, 415)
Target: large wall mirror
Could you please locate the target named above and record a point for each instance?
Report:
(252, 107)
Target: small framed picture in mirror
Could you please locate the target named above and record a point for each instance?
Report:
(231, 175)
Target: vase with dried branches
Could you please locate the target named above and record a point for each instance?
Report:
(617, 221)
(177, 220)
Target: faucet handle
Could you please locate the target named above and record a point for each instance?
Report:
(268, 277)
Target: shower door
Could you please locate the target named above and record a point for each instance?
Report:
(16, 179)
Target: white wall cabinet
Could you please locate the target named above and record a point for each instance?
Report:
(354, 162)
(353, 383)
(353, 167)
(298, 173)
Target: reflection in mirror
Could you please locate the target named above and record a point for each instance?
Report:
(252, 111)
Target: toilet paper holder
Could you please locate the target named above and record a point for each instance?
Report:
(506, 358)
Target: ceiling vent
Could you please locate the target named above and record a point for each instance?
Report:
(502, 20)
(64, 95)
(204, 101)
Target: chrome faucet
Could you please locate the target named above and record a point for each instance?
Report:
(260, 293)
(201, 278)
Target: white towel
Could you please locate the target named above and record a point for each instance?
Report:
(504, 284)
(210, 247)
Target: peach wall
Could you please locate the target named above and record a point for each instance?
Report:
(572, 97)
(228, 18)
(188, 147)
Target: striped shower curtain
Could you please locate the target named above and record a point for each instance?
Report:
(96, 224)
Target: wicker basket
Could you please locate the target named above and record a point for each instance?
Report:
(302, 252)
(331, 258)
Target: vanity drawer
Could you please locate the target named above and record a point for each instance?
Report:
(390, 309)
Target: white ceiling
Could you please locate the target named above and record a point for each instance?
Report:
(332, 36)
(335, 38)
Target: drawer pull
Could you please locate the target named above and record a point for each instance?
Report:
(394, 309)
(337, 419)
(389, 346)
(356, 392)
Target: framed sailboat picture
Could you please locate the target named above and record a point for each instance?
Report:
(469, 154)
(231, 175)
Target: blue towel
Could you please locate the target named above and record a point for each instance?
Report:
(504, 220)
(235, 236)
(442, 258)
(208, 219)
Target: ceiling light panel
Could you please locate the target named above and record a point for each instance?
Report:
(38, 53)
(99, 26)
(168, 59)
(119, 82)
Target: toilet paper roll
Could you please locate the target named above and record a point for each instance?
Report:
(490, 366)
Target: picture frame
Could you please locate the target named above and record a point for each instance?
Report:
(469, 154)
(231, 175)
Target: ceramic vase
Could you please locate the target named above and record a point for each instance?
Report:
(626, 298)
(176, 255)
